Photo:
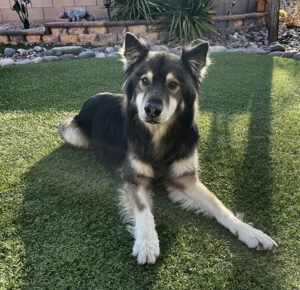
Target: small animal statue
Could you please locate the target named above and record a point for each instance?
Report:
(76, 14)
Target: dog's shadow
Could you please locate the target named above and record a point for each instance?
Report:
(74, 235)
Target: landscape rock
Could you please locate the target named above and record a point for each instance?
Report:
(113, 54)
(257, 51)
(6, 62)
(38, 48)
(236, 45)
(236, 50)
(99, 49)
(159, 48)
(86, 54)
(41, 54)
(175, 51)
(67, 56)
(49, 58)
(22, 51)
(217, 48)
(37, 60)
(100, 55)
(277, 47)
(23, 61)
(275, 53)
(296, 56)
(9, 51)
(288, 54)
(109, 49)
(60, 50)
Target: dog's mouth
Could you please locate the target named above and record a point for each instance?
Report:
(152, 121)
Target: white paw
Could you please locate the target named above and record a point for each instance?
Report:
(254, 238)
(146, 250)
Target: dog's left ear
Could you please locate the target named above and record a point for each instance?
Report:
(196, 58)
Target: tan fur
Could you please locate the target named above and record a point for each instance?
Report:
(185, 165)
(148, 75)
(141, 167)
(192, 194)
(72, 134)
(171, 78)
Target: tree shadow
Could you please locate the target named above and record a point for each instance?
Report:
(248, 184)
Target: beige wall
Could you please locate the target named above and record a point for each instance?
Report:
(48, 10)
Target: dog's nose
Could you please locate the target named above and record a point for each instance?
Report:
(153, 109)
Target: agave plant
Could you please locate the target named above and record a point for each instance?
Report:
(185, 20)
(22, 11)
(132, 9)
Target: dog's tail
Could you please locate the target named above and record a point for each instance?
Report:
(71, 133)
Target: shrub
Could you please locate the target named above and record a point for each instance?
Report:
(22, 11)
(132, 9)
(289, 13)
(185, 20)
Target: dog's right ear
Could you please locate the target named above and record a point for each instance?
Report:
(134, 49)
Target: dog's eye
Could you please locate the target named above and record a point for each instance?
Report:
(145, 81)
(172, 85)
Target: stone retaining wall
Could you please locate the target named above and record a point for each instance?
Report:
(112, 32)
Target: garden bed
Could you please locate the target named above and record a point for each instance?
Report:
(112, 32)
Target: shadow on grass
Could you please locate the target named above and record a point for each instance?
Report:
(250, 175)
(74, 236)
(71, 226)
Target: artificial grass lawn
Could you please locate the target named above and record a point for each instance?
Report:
(60, 225)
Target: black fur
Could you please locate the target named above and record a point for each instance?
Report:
(113, 127)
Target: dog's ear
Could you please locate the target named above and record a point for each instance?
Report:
(196, 58)
(134, 49)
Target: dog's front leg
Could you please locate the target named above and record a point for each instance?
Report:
(192, 194)
(136, 201)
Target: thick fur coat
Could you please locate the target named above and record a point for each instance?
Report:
(149, 135)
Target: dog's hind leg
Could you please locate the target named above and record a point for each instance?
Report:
(70, 131)
(192, 194)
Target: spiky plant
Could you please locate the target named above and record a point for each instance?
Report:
(132, 9)
(185, 20)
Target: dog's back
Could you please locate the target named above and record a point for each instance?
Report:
(101, 126)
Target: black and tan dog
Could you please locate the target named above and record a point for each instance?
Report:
(150, 135)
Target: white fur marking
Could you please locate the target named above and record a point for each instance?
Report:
(140, 103)
(72, 134)
(146, 245)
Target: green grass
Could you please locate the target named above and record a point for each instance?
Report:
(60, 226)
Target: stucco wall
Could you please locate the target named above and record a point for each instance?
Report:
(48, 10)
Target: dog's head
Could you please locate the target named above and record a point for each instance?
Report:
(159, 84)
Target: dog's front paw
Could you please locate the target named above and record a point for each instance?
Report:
(254, 238)
(146, 250)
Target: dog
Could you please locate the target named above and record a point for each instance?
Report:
(149, 135)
